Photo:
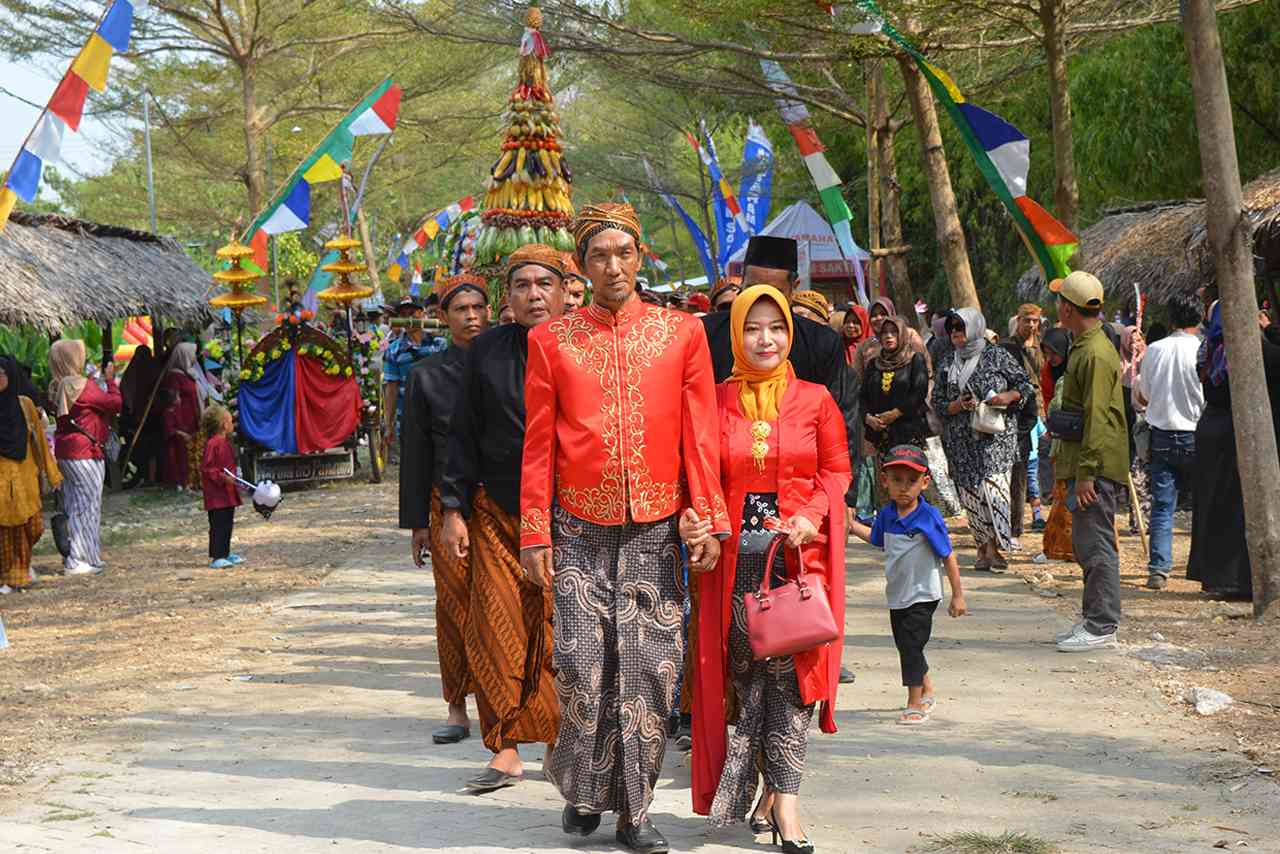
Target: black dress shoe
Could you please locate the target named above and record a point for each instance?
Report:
(643, 839)
(575, 823)
(450, 734)
(847, 676)
(492, 778)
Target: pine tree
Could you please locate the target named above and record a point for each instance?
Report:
(528, 189)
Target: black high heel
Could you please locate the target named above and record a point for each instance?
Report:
(789, 846)
(758, 824)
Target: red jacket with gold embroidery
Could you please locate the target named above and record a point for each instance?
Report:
(620, 421)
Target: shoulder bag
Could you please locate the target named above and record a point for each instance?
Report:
(986, 418)
(789, 619)
(1066, 424)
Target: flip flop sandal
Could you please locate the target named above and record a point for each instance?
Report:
(913, 717)
(491, 779)
(450, 734)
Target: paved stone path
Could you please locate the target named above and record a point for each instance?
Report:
(326, 747)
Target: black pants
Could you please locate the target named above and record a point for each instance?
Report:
(220, 524)
(912, 627)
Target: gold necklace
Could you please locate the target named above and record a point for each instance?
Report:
(760, 431)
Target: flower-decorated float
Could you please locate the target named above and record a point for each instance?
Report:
(299, 405)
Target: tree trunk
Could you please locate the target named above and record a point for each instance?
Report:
(704, 201)
(946, 217)
(370, 261)
(875, 82)
(255, 180)
(891, 209)
(1229, 234)
(1066, 195)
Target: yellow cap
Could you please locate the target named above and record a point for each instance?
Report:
(1079, 288)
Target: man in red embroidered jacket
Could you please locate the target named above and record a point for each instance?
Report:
(620, 434)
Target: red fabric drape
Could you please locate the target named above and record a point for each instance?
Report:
(328, 408)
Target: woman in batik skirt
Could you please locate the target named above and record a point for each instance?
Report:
(770, 423)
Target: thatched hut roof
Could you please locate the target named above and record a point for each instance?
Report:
(56, 271)
(1163, 246)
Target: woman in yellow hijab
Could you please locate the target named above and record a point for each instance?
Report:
(784, 460)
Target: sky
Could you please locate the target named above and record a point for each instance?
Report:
(82, 151)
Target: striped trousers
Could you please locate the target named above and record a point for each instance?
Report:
(82, 499)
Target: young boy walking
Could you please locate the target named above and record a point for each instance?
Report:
(221, 498)
(916, 544)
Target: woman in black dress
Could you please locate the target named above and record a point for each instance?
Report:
(895, 391)
(1219, 555)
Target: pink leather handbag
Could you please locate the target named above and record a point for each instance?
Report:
(792, 618)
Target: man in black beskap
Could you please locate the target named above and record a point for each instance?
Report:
(817, 351)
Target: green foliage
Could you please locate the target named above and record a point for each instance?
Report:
(625, 98)
(30, 348)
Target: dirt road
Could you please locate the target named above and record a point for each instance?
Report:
(301, 723)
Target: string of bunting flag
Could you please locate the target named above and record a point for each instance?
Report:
(290, 208)
(732, 228)
(796, 117)
(432, 226)
(1002, 153)
(89, 70)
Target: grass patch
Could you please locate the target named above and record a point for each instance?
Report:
(159, 497)
(66, 816)
(973, 842)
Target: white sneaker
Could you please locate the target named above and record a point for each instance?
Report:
(1069, 633)
(81, 568)
(4, 588)
(1014, 545)
(1086, 641)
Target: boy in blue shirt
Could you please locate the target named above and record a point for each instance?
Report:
(916, 544)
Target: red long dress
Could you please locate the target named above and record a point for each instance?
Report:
(812, 476)
(185, 417)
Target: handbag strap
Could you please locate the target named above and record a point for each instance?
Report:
(779, 541)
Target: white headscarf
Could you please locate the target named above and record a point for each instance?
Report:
(183, 360)
(975, 341)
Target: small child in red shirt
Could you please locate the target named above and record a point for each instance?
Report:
(221, 498)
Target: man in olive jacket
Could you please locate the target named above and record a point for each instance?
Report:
(1096, 464)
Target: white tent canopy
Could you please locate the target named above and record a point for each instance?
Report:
(803, 224)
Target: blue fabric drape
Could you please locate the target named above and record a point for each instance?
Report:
(266, 407)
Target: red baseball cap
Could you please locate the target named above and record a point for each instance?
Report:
(909, 456)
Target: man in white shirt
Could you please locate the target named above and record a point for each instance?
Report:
(1169, 386)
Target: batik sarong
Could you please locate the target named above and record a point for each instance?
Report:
(987, 507)
(619, 593)
(452, 601)
(507, 627)
(772, 734)
(15, 551)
